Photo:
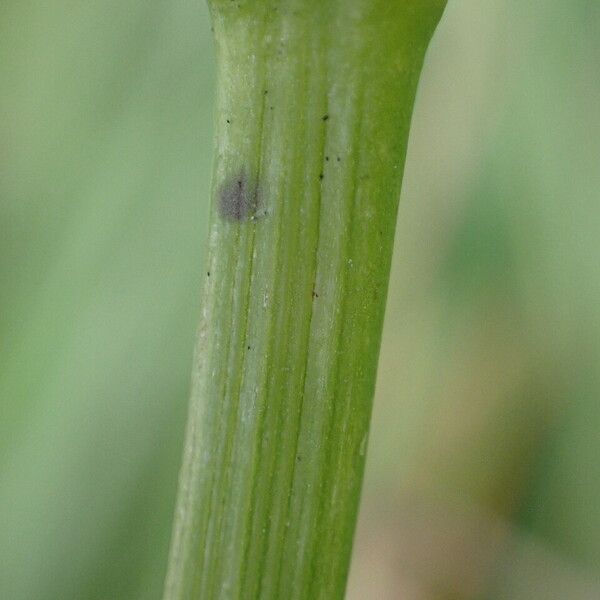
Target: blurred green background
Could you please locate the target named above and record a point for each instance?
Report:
(483, 476)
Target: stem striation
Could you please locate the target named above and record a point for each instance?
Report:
(313, 110)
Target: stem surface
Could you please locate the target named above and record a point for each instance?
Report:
(313, 110)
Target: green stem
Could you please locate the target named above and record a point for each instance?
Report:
(313, 111)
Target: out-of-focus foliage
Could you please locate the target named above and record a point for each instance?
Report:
(105, 152)
(483, 478)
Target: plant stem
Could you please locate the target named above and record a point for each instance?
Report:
(313, 109)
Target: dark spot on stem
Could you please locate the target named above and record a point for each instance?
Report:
(321, 176)
(238, 199)
(208, 273)
(325, 117)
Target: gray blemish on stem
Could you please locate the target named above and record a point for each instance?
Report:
(238, 199)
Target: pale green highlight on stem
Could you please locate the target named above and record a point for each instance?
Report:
(313, 111)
